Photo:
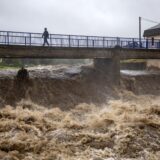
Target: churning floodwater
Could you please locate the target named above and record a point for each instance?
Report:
(124, 127)
(139, 73)
(50, 71)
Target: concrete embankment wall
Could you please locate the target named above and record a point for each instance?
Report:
(133, 66)
(153, 64)
(142, 84)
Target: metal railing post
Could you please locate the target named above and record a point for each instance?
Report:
(25, 41)
(133, 42)
(61, 42)
(50, 36)
(107, 44)
(8, 38)
(118, 41)
(103, 42)
(69, 41)
(87, 41)
(5, 40)
(78, 43)
(93, 43)
(30, 39)
(122, 44)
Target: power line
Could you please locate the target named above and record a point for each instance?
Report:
(150, 20)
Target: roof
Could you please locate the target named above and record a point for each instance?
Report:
(153, 31)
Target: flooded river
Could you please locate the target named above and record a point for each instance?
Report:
(65, 115)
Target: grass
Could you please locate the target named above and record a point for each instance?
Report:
(8, 67)
(133, 61)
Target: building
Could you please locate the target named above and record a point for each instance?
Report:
(153, 32)
(153, 36)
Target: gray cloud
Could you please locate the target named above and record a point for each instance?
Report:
(87, 17)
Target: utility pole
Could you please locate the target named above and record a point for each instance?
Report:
(140, 30)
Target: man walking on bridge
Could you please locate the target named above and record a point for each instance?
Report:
(45, 36)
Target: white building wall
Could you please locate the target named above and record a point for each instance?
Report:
(156, 42)
(155, 37)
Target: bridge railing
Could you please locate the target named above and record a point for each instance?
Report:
(59, 40)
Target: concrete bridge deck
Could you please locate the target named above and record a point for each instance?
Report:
(29, 45)
(18, 51)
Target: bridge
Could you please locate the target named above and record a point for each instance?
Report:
(106, 51)
(30, 45)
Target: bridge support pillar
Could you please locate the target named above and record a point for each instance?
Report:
(110, 68)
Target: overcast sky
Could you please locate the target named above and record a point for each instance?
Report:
(85, 17)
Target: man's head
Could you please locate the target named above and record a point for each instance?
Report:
(45, 29)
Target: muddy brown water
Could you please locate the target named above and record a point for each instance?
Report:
(76, 115)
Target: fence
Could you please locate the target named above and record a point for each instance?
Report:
(59, 40)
